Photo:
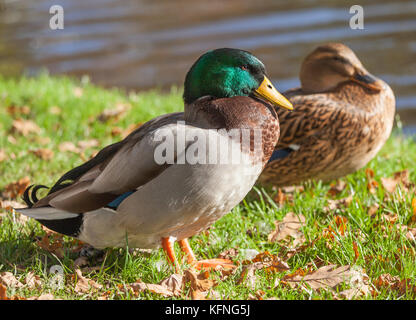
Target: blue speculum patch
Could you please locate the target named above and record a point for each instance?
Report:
(116, 202)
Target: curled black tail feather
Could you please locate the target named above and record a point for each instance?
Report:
(30, 197)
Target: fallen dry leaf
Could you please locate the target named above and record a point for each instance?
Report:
(372, 210)
(85, 285)
(395, 283)
(248, 275)
(173, 283)
(15, 189)
(78, 92)
(337, 204)
(337, 188)
(68, 146)
(46, 296)
(43, 153)
(9, 280)
(229, 254)
(8, 205)
(32, 280)
(199, 281)
(341, 227)
(114, 114)
(24, 127)
(413, 218)
(3, 155)
(268, 261)
(289, 227)
(293, 189)
(18, 110)
(52, 243)
(399, 178)
(172, 286)
(280, 197)
(3, 294)
(55, 110)
(329, 278)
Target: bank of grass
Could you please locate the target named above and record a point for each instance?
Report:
(368, 241)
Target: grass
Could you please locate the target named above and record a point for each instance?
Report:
(369, 241)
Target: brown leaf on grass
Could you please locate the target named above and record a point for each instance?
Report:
(341, 227)
(86, 144)
(52, 243)
(270, 262)
(289, 227)
(399, 178)
(78, 92)
(372, 210)
(356, 252)
(199, 281)
(55, 110)
(173, 283)
(171, 286)
(8, 205)
(265, 260)
(14, 110)
(114, 114)
(258, 295)
(124, 133)
(43, 153)
(46, 296)
(369, 173)
(68, 146)
(389, 184)
(337, 204)
(80, 262)
(3, 294)
(9, 280)
(387, 281)
(372, 186)
(280, 197)
(248, 275)
(32, 280)
(24, 127)
(85, 285)
(229, 254)
(413, 218)
(3, 155)
(42, 140)
(337, 188)
(293, 189)
(200, 284)
(358, 285)
(15, 189)
(328, 277)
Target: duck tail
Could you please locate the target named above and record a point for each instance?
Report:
(30, 198)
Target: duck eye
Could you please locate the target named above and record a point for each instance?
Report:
(244, 68)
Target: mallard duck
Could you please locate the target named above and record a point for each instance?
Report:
(342, 116)
(149, 190)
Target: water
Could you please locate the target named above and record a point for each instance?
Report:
(139, 44)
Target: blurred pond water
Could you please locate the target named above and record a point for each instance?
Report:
(139, 44)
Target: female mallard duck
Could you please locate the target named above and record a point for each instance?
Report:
(343, 116)
(148, 190)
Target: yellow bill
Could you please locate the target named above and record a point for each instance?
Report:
(268, 92)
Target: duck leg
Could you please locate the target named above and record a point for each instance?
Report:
(167, 245)
(203, 264)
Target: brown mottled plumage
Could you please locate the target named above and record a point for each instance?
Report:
(342, 117)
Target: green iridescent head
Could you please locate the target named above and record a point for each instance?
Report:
(225, 73)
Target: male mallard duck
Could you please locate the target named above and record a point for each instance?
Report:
(148, 190)
(343, 116)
